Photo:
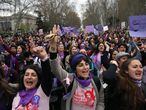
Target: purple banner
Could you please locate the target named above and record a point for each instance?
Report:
(70, 30)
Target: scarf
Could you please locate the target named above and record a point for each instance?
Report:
(26, 96)
(84, 82)
(137, 82)
(61, 54)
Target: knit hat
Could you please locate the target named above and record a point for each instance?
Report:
(121, 54)
(76, 59)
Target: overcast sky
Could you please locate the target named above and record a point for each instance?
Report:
(80, 1)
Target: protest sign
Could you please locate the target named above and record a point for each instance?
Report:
(137, 26)
(105, 28)
(123, 25)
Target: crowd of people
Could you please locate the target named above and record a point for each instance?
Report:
(84, 72)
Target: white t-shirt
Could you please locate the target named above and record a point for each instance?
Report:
(84, 98)
(42, 101)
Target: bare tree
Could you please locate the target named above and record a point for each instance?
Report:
(92, 14)
(5, 6)
(19, 8)
(98, 11)
(55, 11)
(72, 19)
(22, 8)
(128, 8)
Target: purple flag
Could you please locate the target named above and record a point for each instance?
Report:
(89, 28)
(66, 29)
(99, 27)
(96, 32)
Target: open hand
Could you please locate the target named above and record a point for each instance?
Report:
(53, 38)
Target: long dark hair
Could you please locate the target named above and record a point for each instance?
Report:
(38, 71)
(134, 94)
(4, 86)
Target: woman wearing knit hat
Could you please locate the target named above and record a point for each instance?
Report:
(82, 92)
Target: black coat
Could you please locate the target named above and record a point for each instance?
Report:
(115, 98)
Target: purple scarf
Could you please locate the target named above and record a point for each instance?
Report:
(137, 82)
(61, 54)
(84, 82)
(26, 96)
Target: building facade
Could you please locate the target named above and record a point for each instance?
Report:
(15, 22)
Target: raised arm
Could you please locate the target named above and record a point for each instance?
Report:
(6, 47)
(46, 81)
(56, 68)
(110, 74)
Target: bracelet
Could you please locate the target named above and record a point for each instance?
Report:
(53, 49)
